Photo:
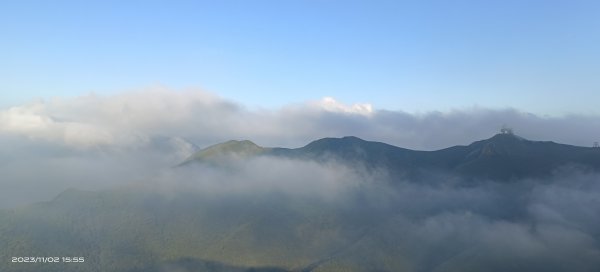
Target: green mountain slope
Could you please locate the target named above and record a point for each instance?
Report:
(221, 153)
(133, 230)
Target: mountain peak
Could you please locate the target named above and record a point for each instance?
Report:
(229, 149)
(501, 143)
(329, 142)
(352, 138)
(238, 143)
(506, 137)
(233, 146)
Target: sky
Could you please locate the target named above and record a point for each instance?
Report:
(413, 56)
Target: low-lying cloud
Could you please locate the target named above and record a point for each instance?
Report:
(534, 225)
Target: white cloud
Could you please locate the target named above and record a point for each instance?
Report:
(132, 120)
(332, 105)
(25, 119)
(36, 121)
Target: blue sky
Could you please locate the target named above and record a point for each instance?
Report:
(417, 56)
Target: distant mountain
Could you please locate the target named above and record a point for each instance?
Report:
(507, 156)
(502, 157)
(222, 152)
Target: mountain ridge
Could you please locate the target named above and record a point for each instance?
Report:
(504, 156)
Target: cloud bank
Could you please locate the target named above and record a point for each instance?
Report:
(95, 141)
(132, 119)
